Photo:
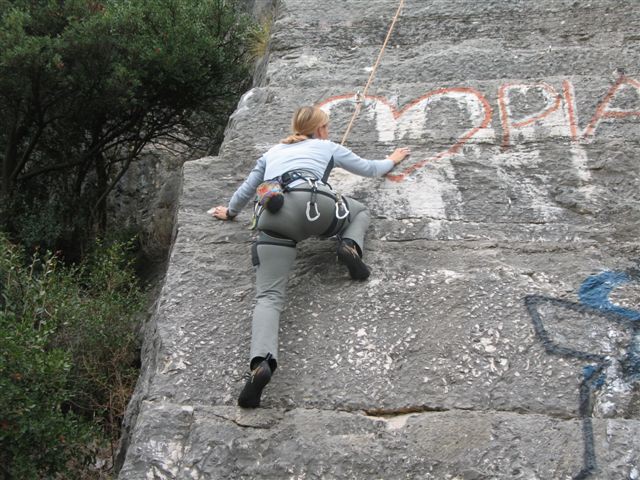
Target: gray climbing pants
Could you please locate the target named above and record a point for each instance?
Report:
(275, 251)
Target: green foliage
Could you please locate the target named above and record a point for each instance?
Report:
(85, 85)
(259, 37)
(101, 334)
(39, 224)
(67, 354)
(37, 438)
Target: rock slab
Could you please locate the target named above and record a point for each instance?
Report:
(499, 334)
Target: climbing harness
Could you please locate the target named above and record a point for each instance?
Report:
(360, 97)
(312, 203)
(269, 189)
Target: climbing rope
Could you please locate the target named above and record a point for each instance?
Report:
(360, 97)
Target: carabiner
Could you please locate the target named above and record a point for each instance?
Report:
(346, 210)
(315, 205)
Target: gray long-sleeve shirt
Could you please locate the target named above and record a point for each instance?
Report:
(312, 155)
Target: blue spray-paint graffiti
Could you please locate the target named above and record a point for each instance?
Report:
(594, 295)
(595, 291)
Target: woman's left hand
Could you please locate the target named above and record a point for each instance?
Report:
(220, 212)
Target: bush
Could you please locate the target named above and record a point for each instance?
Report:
(67, 358)
(101, 334)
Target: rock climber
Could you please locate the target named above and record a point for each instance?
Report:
(294, 202)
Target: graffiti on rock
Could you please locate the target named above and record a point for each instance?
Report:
(594, 295)
(411, 119)
(522, 108)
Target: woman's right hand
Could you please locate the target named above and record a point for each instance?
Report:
(220, 213)
(399, 154)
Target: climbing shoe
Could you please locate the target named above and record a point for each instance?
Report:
(348, 254)
(260, 376)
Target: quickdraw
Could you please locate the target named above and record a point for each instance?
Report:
(313, 200)
(341, 205)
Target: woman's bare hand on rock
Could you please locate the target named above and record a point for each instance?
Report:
(399, 154)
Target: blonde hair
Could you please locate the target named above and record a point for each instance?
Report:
(305, 121)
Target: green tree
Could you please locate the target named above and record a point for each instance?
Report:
(86, 85)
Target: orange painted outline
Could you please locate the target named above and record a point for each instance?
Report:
(567, 90)
(601, 111)
(504, 115)
(488, 113)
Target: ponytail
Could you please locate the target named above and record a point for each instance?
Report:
(295, 138)
(305, 121)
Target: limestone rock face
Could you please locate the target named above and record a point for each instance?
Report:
(499, 333)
